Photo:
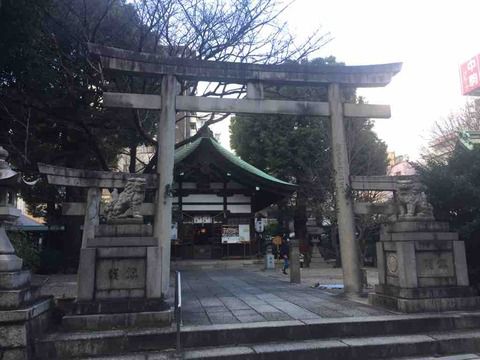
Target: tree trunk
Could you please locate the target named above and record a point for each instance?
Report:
(132, 166)
(300, 220)
(336, 245)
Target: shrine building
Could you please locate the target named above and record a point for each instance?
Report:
(216, 196)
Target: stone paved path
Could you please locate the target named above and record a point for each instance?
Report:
(241, 296)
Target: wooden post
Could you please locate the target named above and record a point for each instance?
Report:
(165, 162)
(294, 256)
(349, 250)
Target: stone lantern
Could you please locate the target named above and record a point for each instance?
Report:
(9, 180)
(24, 315)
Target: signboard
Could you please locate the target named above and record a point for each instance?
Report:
(202, 219)
(244, 232)
(234, 234)
(470, 76)
(230, 234)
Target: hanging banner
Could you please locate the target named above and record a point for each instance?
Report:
(174, 232)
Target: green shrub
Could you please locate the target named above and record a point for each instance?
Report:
(26, 249)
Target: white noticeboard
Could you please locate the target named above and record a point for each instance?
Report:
(230, 234)
(244, 232)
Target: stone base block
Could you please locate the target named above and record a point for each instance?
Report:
(14, 280)
(417, 226)
(126, 220)
(425, 305)
(116, 306)
(112, 321)
(12, 299)
(10, 262)
(123, 241)
(427, 292)
(18, 328)
(111, 230)
(13, 354)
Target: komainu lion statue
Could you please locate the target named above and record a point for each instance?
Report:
(411, 201)
(127, 204)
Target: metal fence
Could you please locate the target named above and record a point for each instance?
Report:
(178, 308)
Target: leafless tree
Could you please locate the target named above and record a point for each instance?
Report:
(220, 30)
(444, 133)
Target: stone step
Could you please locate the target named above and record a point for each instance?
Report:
(95, 322)
(379, 347)
(439, 357)
(66, 345)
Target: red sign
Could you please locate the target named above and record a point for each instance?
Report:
(470, 76)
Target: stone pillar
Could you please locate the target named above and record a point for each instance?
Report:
(92, 217)
(349, 250)
(165, 162)
(255, 90)
(294, 257)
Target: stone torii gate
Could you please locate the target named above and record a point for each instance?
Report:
(168, 102)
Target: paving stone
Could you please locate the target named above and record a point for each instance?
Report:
(210, 302)
(213, 309)
(222, 318)
(232, 295)
(265, 308)
(250, 318)
(294, 311)
(249, 312)
(234, 303)
(275, 316)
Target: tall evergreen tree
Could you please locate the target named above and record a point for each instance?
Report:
(298, 149)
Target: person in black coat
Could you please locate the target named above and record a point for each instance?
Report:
(284, 252)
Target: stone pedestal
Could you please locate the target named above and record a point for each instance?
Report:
(119, 275)
(422, 267)
(22, 315)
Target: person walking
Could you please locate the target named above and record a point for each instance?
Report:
(284, 252)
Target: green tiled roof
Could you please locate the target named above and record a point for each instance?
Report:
(182, 152)
(185, 150)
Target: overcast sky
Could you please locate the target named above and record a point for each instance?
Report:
(431, 39)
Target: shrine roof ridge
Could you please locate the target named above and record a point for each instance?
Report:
(185, 150)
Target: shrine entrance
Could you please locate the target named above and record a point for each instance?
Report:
(335, 80)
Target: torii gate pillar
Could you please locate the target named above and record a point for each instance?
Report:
(349, 250)
(165, 162)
